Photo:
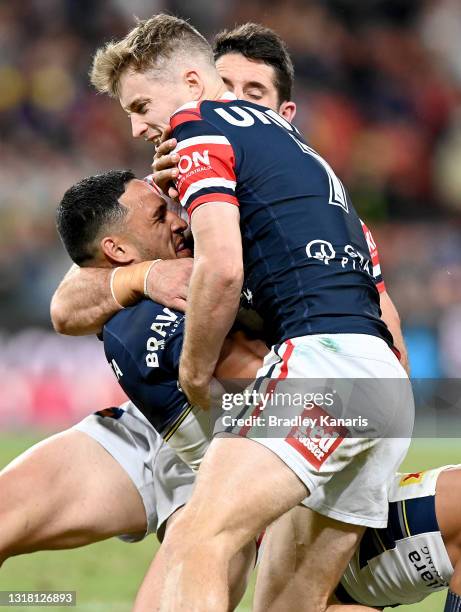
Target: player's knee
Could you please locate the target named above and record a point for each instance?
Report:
(182, 541)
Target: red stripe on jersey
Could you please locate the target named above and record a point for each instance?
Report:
(184, 117)
(373, 249)
(381, 287)
(272, 383)
(212, 162)
(212, 197)
(192, 168)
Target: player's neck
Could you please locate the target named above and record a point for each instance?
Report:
(215, 90)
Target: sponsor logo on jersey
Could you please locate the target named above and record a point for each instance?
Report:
(195, 160)
(163, 326)
(424, 565)
(409, 479)
(316, 442)
(352, 258)
(321, 250)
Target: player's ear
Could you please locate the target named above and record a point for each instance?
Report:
(117, 251)
(288, 110)
(194, 83)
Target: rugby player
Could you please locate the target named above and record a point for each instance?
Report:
(111, 474)
(288, 204)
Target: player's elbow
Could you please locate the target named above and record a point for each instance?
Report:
(60, 318)
(229, 275)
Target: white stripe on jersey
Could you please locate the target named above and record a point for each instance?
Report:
(376, 270)
(203, 184)
(186, 106)
(198, 140)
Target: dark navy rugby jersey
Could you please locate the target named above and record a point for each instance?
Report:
(306, 260)
(142, 345)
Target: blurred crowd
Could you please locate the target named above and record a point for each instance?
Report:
(378, 89)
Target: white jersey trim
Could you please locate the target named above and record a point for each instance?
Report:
(198, 140)
(204, 184)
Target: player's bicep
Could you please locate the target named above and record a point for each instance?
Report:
(216, 231)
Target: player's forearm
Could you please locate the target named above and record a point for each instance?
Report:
(83, 302)
(213, 300)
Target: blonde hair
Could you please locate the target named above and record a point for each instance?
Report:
(149, 46)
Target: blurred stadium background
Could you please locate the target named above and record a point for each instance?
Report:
(378, 89)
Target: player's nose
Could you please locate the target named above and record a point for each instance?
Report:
(138, 127)
(178, 225)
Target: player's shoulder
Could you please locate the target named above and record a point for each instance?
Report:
(205, 114)
(187, 113)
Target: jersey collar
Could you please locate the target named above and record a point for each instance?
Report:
(228, 96)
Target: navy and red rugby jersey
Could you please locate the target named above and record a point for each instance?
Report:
(306, 259)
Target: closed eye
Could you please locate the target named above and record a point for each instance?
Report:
(254, 93)
(160, 213)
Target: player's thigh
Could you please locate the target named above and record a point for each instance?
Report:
(304, 557)
(68, 491)
(241, 487)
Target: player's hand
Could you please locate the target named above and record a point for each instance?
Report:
(168, 282)
(198, 395)
(165, 165)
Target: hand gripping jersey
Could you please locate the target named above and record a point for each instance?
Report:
(406, 561)
(307, 263)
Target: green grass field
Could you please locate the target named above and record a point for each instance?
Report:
(107, 575)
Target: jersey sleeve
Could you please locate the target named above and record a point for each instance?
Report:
(372, 247)
(207, 162)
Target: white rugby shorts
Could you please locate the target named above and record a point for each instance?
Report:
(338, 410)
(164, 482)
